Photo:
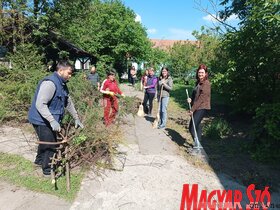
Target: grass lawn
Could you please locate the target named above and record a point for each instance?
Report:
(22, 172)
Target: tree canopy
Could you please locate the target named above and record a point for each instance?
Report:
(107, 29)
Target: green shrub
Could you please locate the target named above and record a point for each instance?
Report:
(266, 133)
(217, 129)
(95, 143)
(178, 80)
(267, 121)
(18, 83)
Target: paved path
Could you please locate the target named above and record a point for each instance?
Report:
(17, 198)
(149, 174)
(152, 176)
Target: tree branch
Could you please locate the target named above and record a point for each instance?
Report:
(215, 17)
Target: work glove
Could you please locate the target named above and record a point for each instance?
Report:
(55, 126)
(111, 93)
(78, 124)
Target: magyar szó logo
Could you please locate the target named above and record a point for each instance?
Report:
(224, 199)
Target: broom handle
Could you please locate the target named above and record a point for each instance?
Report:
(191, 115)
(188, 97)
(161, 88)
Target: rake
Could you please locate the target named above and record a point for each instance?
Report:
(197, 144)
(155, 123)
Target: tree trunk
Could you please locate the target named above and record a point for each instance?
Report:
(36, 8)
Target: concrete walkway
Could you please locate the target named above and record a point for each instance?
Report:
(149, 173)
(152, 174)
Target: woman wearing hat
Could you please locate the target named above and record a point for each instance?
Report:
(110, 88)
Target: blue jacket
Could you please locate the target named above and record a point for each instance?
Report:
(56, 105)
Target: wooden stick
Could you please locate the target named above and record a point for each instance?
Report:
(51, 143)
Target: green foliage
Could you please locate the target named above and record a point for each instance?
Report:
(107, 30)
(252, 55)
(217, 129)
(179, 95)
(182, 58)
(266, 132)
(185, 56)
(13, 20)
(157, 58)
(268, 118)
(79, 139)
(209, 45)
(18, 84)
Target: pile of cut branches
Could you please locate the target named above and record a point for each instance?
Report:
(96, 144)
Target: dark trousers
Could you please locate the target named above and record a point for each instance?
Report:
(197, 116)
(45, 151)
(148, 97)
(133, 80)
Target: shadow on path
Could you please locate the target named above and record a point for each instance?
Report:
(177, 138)
(150, 119)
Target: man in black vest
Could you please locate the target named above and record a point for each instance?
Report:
(47, 110)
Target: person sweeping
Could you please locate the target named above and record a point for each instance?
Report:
(110, 90)
(200, 100)
(165, 85)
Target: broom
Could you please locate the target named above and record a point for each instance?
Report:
(140, 112)
(197, 144)
(155, 123)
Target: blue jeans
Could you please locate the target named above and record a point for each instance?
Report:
(163, 111)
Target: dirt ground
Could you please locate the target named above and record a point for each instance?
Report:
(229, 155)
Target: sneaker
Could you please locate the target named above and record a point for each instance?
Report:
(47, 172)
(161, 127)
(38, 162)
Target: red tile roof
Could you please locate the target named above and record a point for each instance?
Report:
(166, 44)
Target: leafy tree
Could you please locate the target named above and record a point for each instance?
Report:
(209, 42)
(13, 23)
(182, 57)
(157, 58)
(254, 56)
(238, 7)
(109, 32)
(186, 56)
(252, 70)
